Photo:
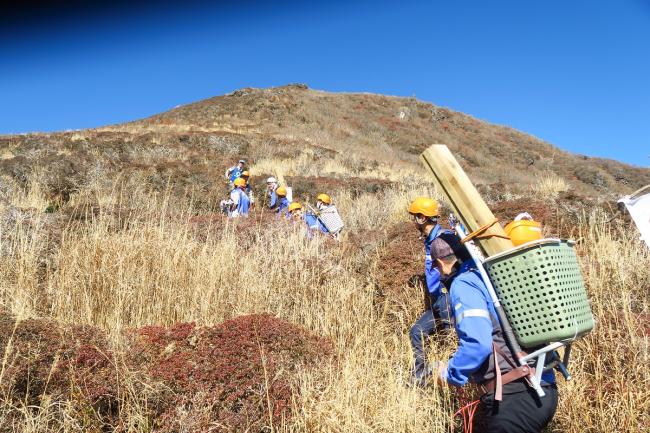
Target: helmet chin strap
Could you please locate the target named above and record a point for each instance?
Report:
(421, 220)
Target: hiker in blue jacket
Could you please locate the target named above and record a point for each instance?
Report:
(282, 202)
(314, 223)
(482, 354)
(296, 212)
(437, 314)
(240, 201)
(235, 171)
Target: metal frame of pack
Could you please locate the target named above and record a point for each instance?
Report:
(331, 218)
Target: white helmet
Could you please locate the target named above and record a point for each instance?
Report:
(271, 180)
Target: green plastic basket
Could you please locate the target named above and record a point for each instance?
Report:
(542, 292)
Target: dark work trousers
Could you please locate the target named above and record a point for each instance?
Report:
(520, 410)
(436, 317)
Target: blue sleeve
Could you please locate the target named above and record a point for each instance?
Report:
(282, 206)
(432, 276)
(474, 329)
(311, 221)
(274, 200)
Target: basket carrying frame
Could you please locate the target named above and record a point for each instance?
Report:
(549, 351)
(331, 219)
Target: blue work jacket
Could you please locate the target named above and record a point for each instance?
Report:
(235, 172)
(274, 199)
(314, 223)
(243, 204)
(283, 204)
(431, 273)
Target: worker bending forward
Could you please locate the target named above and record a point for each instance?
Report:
(297, 212)
(513, 406)
(239, 198)
(282, 200)
(437, 314)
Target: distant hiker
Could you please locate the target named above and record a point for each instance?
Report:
(297, 212)
(282, 200)
(509, 404)
(437, 312)
(322, 201)
(271, 186)
(235, 171)
(328, 215)
(240, 201)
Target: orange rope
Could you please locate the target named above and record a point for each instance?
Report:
(478, 234)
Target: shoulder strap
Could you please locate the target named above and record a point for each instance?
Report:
(516, 373)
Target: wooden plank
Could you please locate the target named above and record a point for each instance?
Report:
(279, 176)
(467, 203)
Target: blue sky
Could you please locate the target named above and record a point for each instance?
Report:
(575, 73)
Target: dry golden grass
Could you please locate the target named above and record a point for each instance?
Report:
(549, 186)
(148, 266)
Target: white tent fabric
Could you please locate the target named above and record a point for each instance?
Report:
(639, 207)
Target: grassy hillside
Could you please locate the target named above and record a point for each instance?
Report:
(310, 133)
(130, 304)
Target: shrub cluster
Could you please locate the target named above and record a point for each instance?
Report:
(236, 376)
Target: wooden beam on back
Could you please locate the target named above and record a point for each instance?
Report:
(467, 203)
(279, 175)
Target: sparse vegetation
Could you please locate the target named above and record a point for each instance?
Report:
(549, 186)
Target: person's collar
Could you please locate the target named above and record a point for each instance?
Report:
(466, 266)
(432, 234)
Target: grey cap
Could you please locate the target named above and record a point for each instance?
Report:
(446, 244)
(440, 249)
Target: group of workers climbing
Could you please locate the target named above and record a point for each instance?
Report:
(458, 299)
(279, 199)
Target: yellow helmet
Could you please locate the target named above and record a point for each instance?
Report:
(425, 206)
(281, 191)
(294, 206)
(324, 198)
(245, 173)
(239, 182)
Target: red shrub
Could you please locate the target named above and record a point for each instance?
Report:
(237, 375)
(240, 371)
(71, 364)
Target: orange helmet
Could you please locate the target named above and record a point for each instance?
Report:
(245, 173)
(239, 182)
(281, 191)
(425, 206)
